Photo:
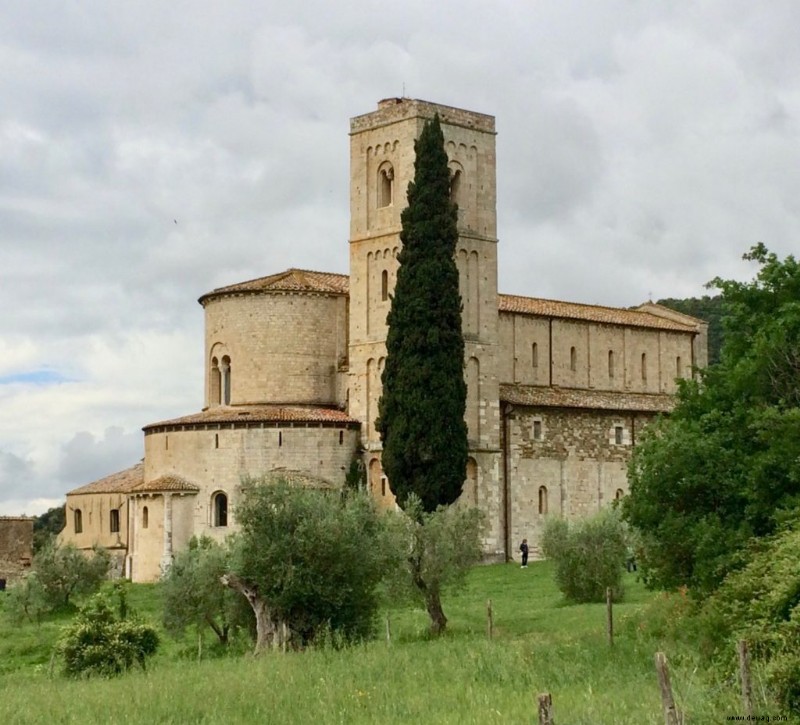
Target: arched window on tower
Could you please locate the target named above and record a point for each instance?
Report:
(385, 185)
(145, 518)
(542, 499)
(384, 285)
(455, 186)
(619, 494)
(225, 370)
(215, 387)
(220, 509)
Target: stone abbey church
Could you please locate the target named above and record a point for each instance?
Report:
(557, 391)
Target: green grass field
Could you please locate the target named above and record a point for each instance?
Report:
(540, 644)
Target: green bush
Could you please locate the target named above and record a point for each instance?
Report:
(58, 574)
(761, 604)
(588, 556)
(313, 558)
(100, 642)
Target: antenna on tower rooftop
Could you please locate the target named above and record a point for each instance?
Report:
(404, 90)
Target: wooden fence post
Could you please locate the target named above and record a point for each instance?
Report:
(388, 629)
(671, 714)
(489, 620)
(609, 617)
(744, 673)
(546, 709)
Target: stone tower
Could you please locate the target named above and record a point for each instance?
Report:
(381, 167)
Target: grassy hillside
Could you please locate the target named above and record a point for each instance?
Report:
(540, 644)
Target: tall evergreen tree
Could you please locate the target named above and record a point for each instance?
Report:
(421, 410)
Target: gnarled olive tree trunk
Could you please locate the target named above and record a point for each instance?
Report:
(270, 633)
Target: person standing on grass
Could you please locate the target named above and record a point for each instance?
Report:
(523, 547)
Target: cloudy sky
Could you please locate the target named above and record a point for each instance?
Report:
(152, 151)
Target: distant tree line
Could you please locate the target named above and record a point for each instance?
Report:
(710, 310)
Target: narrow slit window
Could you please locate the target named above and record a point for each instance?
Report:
(145, 518)
(341, 437)
(226, 380)
(215, 389)
(220, 509)
(678, 371)
(573, 359)
(78, 521)
(618, 435)
(535, 355)
(542, 499)
(384, 285)
(383, 485)
(610, 363)
(455, 187)
(114, 523)
(216, 440)
(537, 430)
(280, 439)
(644, 367)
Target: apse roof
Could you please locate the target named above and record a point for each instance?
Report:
(248, 414)
(292, 280)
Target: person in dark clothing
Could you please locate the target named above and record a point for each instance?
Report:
(523, 547)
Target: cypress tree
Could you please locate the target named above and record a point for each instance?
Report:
(421, 410)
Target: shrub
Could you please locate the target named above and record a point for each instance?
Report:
(761, 603)
(99, 642)
(58, 574)
(27, 599)
(588, 556)
(65, 571)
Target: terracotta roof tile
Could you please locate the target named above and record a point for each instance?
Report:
(298, 478)
(121, 482)
(304, 280)
(168, 482)
(248, 414)
(554, 397)
(292, 280)
(591, 313)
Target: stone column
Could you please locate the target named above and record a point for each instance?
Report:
(166, 557)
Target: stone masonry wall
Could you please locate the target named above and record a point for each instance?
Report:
(667, 355)
(576, 459)
(284, 348)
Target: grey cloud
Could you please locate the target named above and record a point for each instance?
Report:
(85, 458)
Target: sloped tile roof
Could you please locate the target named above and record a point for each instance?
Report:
(168, 482)
(298, 478)
(304, 280)
(292, 280)
(121, 482)
(247, 414)
(554, 397)
(590, 313)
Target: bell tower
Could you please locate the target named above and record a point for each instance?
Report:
(381, 167)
